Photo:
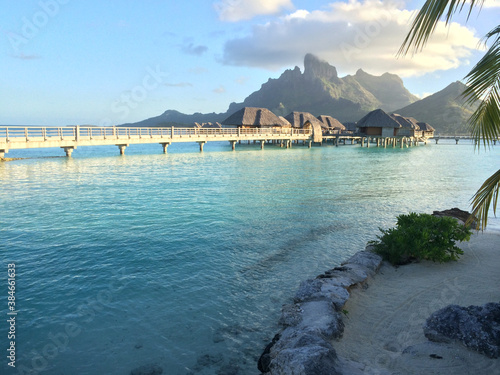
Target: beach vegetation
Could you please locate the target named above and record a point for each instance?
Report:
(421, 237)
(483, 83)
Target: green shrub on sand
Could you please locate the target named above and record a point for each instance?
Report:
(421, 236)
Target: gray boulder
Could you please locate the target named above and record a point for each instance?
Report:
(303, 347)
(303, 353)
(366, 259)
(477, 327)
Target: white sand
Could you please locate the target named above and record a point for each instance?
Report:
(383, 328)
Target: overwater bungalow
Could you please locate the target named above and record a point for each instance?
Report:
(208, 125)
(378, 123)
(305, 120)
(409, 126)
(253, 117)
(331, 125)
(427, 130)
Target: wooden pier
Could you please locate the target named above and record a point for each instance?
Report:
(457, 138)
(71, 137)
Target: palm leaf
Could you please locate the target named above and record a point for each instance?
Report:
(427, 18)
(482, 200)
(483, 83)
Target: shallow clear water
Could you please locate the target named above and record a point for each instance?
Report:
(184, 260)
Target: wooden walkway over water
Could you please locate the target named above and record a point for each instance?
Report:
(69, 138)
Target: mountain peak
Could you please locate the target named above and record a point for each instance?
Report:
(316, 68)
(445, 110)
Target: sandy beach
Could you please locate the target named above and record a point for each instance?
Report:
(383, 329)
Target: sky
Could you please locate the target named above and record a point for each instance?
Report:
(68, 62)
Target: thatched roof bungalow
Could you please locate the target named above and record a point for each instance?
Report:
(409, 126)
(286, 123)
(378, 123)
(331, 124)
(427, 130)
(208, 125)
(252, 117)
(306, 120)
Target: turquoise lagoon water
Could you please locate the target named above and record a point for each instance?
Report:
(184, 260)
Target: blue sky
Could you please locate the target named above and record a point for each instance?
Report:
(111, 62)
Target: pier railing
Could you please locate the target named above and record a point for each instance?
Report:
(76, 133)
(71, 137)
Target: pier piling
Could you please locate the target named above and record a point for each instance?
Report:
(122, 149)
(68, 150)
(165, 146)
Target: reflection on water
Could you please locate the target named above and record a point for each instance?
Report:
(184, 260)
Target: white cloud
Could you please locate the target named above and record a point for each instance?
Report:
(351, 35)
(491, 4)
(423, 95)
(237, 10)
(220, 90)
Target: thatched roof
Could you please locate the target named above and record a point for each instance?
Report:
(406, 122)
(298, 119)
(286, 123)
(209, 125)
(305, 119)
(350, 126)
(378, 119)
(330, 122)
(425, 127)
(252, 116)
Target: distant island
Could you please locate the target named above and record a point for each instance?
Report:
(320, 91)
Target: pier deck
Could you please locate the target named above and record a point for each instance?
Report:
(69, 138)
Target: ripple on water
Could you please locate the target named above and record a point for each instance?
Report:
(185, 259)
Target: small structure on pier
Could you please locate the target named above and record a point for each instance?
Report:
(208, 125)
(378, 123)
(253, 117)
(305, 120)
(409, 126)
(331, 125)
(426, 129)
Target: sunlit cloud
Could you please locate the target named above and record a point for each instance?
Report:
(220, 90)
(237, 10)
(491, 4)
(351, 35)
(242, 80)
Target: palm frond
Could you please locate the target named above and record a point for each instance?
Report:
(427, 18)
(484, 122)
(483, 198)
(483, 84)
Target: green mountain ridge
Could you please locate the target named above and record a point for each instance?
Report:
(320, 91)
(445, 110)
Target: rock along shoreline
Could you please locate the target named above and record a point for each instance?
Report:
(314, 319)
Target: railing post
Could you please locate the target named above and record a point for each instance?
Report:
(172, 132)
(26, 134)
(77, 133)
(7, 134)
(114, 132)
